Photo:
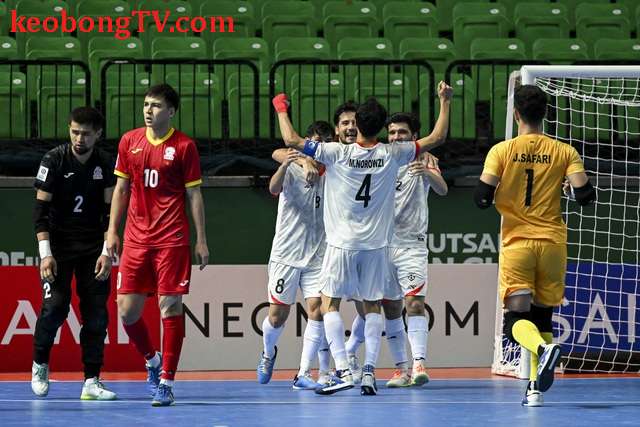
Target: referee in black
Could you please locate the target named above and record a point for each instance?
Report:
(74, 186)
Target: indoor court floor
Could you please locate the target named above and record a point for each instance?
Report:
(454, 397)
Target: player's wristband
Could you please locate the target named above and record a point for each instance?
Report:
(44, 247)
(104, 249)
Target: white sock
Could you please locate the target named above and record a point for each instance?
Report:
(357, 336)
(270, 336)
(334, 330)
(372, 334)
(167, 382)
(313, 334)
(324, 354)
(417, 331)
(397, 340)
(155, 361)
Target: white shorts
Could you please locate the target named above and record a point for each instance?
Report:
(357, 274)
(284, 281)
(408, 273)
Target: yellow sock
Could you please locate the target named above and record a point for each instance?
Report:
(547, 337)
(533, 366)
(527, 335)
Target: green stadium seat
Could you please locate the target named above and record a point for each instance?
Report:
(200, 112)
(4, 21)
(616, 49)
(102, 49)
(498, 49)
(498, 105)
(573, 4)
(242, 12)
(301, 48)
(178, 48)
(8, 48)
(392, 91)
(42, 10)
(594, 20)
(532, 20)
(408, 19)
(55, 100)
(511, 6)
(242, 105)
(560, 51)
(176, 8)
(123, 103)
(13, 104)
(439, 53)
(462, 119)
(349, 19)
(110, 8)
(473, 20)
(445, 13)
(315, 102)
(65, 48)
(287, 18)
(359, 48)
(254, 49)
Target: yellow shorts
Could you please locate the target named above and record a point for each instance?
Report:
(535, 265)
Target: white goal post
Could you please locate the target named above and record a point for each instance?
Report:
(596, 109)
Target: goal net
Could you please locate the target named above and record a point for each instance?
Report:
(596, 109)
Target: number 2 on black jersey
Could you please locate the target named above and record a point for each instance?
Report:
(363, 192)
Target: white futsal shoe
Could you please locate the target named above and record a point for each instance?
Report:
(400, 378)
(40, 379)
(93, 389)
(356, 370)
(532, 396)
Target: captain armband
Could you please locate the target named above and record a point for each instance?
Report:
(483, 195)
(585, 194)
(41, 216)
(310, 147)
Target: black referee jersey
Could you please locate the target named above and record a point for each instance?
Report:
(77, 208)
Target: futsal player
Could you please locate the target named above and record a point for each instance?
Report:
(525, 175)
(74, 186)
(158, 168)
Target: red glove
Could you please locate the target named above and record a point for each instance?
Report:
(280, 103)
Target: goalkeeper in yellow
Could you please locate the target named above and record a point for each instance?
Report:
(525, 175)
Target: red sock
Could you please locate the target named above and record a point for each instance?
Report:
(139, 335)
(173, 334)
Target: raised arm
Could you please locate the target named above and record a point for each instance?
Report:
(439, 133)
(289, 134)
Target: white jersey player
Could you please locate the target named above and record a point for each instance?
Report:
(296, 255)
(359, 223)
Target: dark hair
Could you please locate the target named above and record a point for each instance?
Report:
(408, 118)
(531, 102)
(370, 117)
(348, 106)
(87, 116)
(321, 128)
(165, 92)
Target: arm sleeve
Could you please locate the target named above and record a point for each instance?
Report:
(122, 165)
(575, 164)
(493, 164)
(191, 166)
(47, 172)
(405, 151)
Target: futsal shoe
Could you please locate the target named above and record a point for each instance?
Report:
(153, 375)
(355, 368)
(547, 365)
(419, 375)
(93, 389)
(400, 378)
(163, 396)
(40, 379)
(265, 367)
(368, 386)
(305, 382)
(343, 380)
(324, 377)
(532, 396)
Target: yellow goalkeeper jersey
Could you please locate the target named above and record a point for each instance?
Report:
(531, 169)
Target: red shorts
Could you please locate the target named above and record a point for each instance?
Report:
(166, 271)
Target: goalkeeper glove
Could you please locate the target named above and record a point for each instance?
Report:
(280, 103)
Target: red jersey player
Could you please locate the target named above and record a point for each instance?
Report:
(156, 166)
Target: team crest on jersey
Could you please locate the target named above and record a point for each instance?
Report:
(42, 173)
(97, 173)
(169, 153)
